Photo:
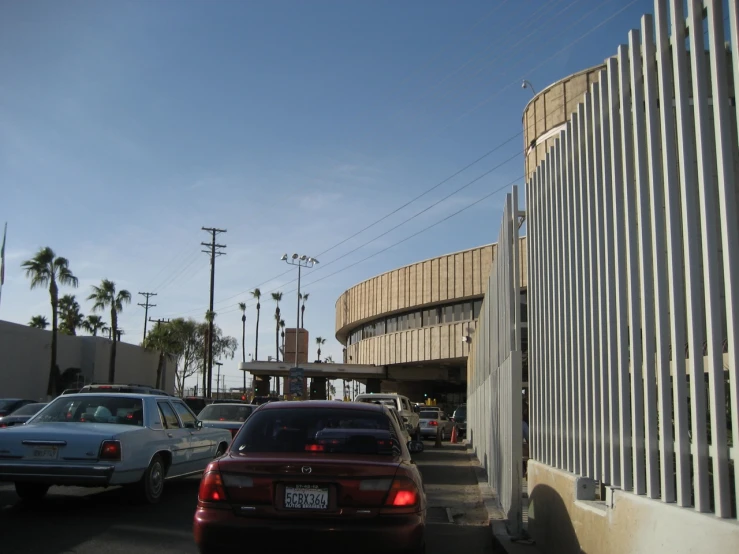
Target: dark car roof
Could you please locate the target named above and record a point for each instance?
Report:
(313, 404)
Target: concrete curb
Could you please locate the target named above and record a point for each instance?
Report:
(496, 516)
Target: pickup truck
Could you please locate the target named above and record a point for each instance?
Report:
(402, 404)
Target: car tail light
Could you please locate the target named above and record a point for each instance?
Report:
(314, 448)
(433, 423)
(110, 450)
(403, 494)
(211, 487)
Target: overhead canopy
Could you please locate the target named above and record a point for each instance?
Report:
(335, 371)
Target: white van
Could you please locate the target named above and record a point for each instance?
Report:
(402, 404)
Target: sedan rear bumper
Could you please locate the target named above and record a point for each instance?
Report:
(219, 529)
(57, 474)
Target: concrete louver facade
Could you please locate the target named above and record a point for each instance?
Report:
(450, 283)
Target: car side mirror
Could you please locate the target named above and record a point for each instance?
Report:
(414, 447)
(197, 424)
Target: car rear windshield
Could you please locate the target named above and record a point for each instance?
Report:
(94, 409)
(328, 430)
(429, 414)
(225, 412)
(28, 409)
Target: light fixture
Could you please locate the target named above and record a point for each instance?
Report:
(284, 257)
(295, 256)
(313, 260)
(303, 257)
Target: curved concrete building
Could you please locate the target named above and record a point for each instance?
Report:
(548, 112)
(414, 321)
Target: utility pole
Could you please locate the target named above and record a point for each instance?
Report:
(218, 380)
(146, 307)
(158, 321)
(214, 250)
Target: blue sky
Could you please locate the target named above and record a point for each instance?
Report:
(127, 126)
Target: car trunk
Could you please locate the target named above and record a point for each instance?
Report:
(307, 485)
(50, 442)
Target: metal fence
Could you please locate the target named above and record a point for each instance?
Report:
(494, 371)
(633, 267)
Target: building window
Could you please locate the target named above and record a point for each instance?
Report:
(476, 307)
(392, 324)
(458, 313)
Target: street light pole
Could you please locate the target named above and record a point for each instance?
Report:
(218, 380)
(301, 261)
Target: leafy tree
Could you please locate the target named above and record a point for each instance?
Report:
(38, 322)
(106, 296)
(183, 340)
(46, 269)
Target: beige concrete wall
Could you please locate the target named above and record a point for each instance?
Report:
(25, 353)
(552, 107)
(458, 276)
(625, 522)
(443, 279)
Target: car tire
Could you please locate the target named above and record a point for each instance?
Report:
(443, 435)
(31, 492)
(151, 486)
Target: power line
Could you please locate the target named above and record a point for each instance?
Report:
(146, 307)
(215, 251)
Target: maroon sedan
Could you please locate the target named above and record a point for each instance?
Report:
(314, 476)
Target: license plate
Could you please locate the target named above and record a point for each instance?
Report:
(43, 453)
(306, 497)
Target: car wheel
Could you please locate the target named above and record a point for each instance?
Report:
(151, 486)
(443, 435)
(31, 491)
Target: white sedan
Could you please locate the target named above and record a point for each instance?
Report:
(102, 439)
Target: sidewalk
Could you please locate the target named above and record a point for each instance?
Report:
(463, 510)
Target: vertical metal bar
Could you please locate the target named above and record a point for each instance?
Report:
(615, 70)
(551, 364)
(692, 256)
(601, 309)
(589, 344)
(559, 279)
(654, 281)
(725, 143)
(544, 271)
(676, 278)
(578, 330)
(610, 281)
(708, 200)
(565, 331)
(632, 229)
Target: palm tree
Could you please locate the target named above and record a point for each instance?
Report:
(47, 269)
(256, 293)
(277, 296)
(38, 322)
(320, 341)
(106, 296)
(304, 298)
(93, 324)
(242, 307)
(282, 334)
(69, 311)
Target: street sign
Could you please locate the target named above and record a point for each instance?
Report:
(296, 378)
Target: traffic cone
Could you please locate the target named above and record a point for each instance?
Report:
(454, 440)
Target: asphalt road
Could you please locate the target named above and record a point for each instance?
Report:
(99, 521)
